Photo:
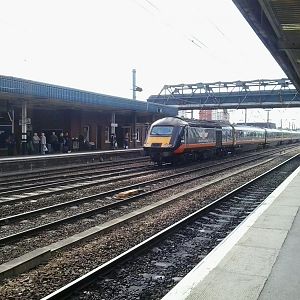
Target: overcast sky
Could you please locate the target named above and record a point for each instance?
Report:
(94, 45)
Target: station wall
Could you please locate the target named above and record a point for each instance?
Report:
(93, 126)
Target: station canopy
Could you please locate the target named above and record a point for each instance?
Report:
(47, 96)
(277, 24)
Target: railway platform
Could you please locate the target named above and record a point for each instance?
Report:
(15, 164)
(260, 259)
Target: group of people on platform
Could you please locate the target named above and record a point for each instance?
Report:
(55, 143)
(61, 143)
(40, 144)
(114, 143)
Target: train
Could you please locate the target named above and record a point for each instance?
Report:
(174, 139)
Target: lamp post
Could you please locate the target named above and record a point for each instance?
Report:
(134, 84)
(134, 87)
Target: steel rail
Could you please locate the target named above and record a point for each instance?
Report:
(56, 189)
(59, 189)
(104, 269)
(31, 183)
(108, 206)
(108, 193)
(68, 166)
(7, 178)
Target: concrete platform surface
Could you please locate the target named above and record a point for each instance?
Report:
(259, 260)
(22, 164)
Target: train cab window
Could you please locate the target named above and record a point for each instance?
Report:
(162, 130)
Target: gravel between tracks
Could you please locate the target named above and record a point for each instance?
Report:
(57, 272)
(74, 208)
(44, 238)
(44, 200)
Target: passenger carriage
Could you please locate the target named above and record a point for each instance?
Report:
(174, 139)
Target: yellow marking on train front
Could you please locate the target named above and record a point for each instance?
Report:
(163, 140)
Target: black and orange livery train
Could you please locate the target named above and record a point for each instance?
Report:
(174, 139)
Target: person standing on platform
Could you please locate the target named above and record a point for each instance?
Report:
(36, 143)
(81, 142)
(43, 143)
(10, 142)
(126, 140)
(68, 141)
(113, 141)
(61, 142)
(30, 148)
(53, 140)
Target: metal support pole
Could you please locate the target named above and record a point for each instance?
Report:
(24, 127)
(245, 115)
(134, 135)
(134, 84)
(113, 123)
(12, 119)
(13, 122)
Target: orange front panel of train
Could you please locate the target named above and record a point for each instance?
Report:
(186, 147)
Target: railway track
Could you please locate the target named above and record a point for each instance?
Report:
(18, 225)
(12, 178)
(90, 207)
(38, 236)
(32, 190)
(27, 194)
(150, 269)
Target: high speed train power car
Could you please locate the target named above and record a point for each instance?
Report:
(174, 139)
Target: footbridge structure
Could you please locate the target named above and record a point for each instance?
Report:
(261, 93)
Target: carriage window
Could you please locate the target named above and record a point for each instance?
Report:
(226, 135)
(239, 134)
(161, 130)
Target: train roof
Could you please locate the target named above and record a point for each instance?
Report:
(177, 121)
(281, 130)
(249, 128)
(273, 130)
(170, 121)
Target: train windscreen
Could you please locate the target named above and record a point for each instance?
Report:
(162, 130)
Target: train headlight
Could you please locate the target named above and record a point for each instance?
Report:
(166, 145)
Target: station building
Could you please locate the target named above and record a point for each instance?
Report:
(27, 107)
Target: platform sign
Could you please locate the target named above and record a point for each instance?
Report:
(114, 125)
(27, 121)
